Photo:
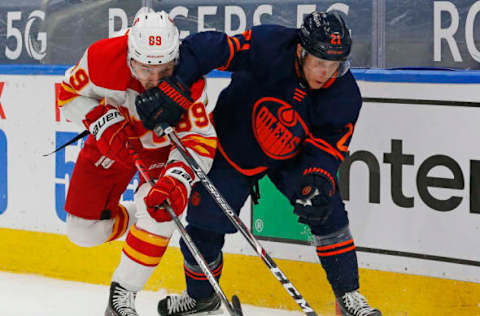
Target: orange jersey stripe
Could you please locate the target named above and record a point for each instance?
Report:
(204, 146)
(245, 46)
(209, 141)
(68, 88)
(61, 103)
(247, 35)
(237, 43)
(121, 223)
(66, 94)
(300, 91)
(323, 145)
(296, 95)
(232, 53)
(341, 142)
(247, 172)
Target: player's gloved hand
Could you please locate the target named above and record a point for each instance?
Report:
(110, 129)
(173, 187)
(163, 104)
(313, 202)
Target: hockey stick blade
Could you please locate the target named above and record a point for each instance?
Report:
(237, 307)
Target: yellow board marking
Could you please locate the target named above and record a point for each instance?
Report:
(395, 294)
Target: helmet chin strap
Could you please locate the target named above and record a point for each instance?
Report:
(303, 80)
(129, 63)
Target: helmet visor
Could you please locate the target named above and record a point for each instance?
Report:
(344, 67)
(151, 72)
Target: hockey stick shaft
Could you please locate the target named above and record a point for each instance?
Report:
(237, 222)
(186, 237)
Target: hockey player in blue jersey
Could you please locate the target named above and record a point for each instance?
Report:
(289, 113)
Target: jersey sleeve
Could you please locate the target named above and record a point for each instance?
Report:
(323, 152)
(196, 131)
(76, 97)
(203, 52)
(326, 144)
(86, 84)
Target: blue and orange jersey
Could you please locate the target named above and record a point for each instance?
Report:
(265, 116)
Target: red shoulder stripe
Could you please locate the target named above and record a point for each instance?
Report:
(107, 63)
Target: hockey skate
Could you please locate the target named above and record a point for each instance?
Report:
(121, 301)
(354, 304)
(178, 305)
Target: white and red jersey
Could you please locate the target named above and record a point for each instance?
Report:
(102, 76)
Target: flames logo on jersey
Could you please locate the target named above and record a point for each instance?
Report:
(278, 128)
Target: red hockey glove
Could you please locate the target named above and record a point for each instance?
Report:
(111, 131)
(173, 187)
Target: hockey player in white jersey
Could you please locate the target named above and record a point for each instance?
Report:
(99, 94)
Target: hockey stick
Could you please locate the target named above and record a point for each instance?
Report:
(237, 222)
(234, 310)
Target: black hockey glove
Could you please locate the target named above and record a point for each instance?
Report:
(313, 202)
(163, 104)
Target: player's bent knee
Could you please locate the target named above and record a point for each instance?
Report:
(87, 232)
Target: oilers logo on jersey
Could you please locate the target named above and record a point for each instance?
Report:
(278, 128)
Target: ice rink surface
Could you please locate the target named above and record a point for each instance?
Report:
(32, 295)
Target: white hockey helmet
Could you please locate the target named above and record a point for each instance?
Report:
(153, 38)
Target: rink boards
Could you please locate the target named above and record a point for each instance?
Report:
(411, 185)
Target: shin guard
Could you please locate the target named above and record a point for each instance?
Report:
(210, 245)
(198, 285)
(337, 255)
